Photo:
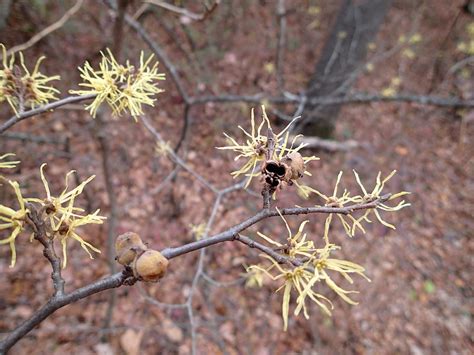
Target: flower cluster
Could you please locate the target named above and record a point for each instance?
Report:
(280, 161)
(125, 88)
(313, 266)
(351, 223)
(376, 195)
(467, 47)
(308, 267)
(254, 149)
(198, 230)
(163, 149)
(22, 89)
(62, 218)
(339, 202)
(254, 276)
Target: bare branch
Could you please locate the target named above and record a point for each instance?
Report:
(215, 283)
(39, 232)
(34, 138)
(182, 11)
(461, 63)
(61, 298)
(282, 259)
(328, 144)
(199, 271)
(360, 98)
(184, 130)
(232, 232)
(256, 99)
(175, 158)
(281, 44)
(356, 98)
(126, 276)
(48, 30)
(106, 153)
(42, 109)
(117, 33)
(57, 302)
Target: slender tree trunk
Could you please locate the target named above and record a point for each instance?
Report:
(356, 25)
(5, 6)
(117, 40)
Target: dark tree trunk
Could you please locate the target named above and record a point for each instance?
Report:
(356, 25)
(5, 6)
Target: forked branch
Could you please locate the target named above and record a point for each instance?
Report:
(61, 299)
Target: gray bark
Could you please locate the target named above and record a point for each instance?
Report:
(356, 25)
(5, 6)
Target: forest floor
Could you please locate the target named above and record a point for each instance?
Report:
(420, 298)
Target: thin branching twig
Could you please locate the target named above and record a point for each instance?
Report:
(46, 31)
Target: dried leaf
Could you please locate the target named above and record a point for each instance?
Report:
(174, 333)
(130, 341)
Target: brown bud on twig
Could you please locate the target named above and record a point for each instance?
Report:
(127, 247)
(150, 266)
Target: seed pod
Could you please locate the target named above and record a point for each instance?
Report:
(295, 162)
(127, 247)
(273, 167)
(150, 266)
(274, 173)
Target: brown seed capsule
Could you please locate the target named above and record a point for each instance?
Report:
(151, 265)
(274, 173)
(295, 162)
(127, 247)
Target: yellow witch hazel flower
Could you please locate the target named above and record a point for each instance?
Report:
(68, 230)
(376, 194)
(124, 88)
(8, 164)
(353, 224)
(303, 191)
(338, 202)
(257, 147)
(162, 149)
(253, 277)
(299, 279)
(13, 221)
(297, 245)
(305, 276)
(467, 47)
(254, 149)
(198, 230)
(22, 89)
(64, 218)
(323, 263)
